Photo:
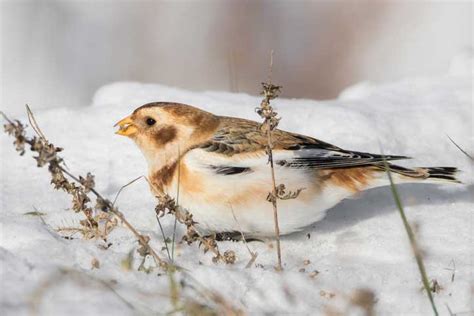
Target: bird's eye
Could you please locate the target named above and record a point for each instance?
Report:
(150, 121)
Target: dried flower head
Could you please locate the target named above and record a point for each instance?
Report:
(167, 205)
(17, 130)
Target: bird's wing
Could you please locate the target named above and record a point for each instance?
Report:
(240, 138)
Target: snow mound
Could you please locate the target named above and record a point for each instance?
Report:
(359, 244)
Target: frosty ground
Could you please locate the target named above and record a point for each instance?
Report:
(361, 242)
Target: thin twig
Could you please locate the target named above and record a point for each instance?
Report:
(270, 158)
(164, 237)
(143, 241)
(459, 147)
(274, 201)
(111, 209)
(123, 187)
(5, 117)
(167, 205)
(173, 241)
(449, 310)
(253, 255)
(37, 129)
(43, 146)
(34, 125)
(270, 92)
(161, 230)
(411, 236)
(177, 202)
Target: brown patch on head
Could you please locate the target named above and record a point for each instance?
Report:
(163, 177)
(165, 135)
(149, 105)
(203, 123)
(353, 179)
(185, 112)
(179, 109)
(189, 115)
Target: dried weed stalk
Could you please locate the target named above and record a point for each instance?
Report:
(80, 188)
(417, 251)
(104, 214)
(461, 149)
(253, 255)
(270, 123)
(167, 205)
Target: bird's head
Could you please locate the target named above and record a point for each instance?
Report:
(163, 131)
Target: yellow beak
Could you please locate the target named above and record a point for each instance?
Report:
(126, 127)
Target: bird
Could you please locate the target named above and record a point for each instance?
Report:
(216, 167)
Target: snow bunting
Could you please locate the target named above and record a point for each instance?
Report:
(220, 169)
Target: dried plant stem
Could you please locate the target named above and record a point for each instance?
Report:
(173, 245)
(413, 242)
(34, 125)
(461, 149)
(167, 205)
(274, 200)
(253, 255)
(164, 237)
(48, 155)
(143, 240)
(270, 159)
(173, 240)
(270, 122)
(123, 187)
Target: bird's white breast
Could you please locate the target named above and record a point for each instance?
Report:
(238, 202)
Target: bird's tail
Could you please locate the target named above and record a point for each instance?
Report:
(426, 174)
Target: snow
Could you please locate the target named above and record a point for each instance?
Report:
(361, 242)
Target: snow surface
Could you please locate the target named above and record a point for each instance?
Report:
(361, 242)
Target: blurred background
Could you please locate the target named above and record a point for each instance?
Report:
(58, 53)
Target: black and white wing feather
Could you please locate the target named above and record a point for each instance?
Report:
(237, 137)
